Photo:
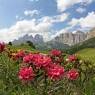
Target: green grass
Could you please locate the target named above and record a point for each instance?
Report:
(25, 47)
(87, 54)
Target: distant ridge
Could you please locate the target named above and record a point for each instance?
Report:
(37, 39)
(91, 34)
(90, 43)
(75, 37)
(62, 41)
(71, 38)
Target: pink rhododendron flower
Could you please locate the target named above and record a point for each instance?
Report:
(26, 74)
(55, 52)
(28, 58)
(38, 60)
(55, 72)
(2, 47)
(42, 61)
(72, 74)
(72, 58)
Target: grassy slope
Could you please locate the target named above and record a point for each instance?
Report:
(87, 54)
(24, 47)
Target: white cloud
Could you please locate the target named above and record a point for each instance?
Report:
(62, 5)
(25, 27)
(73, 22)
(41, 26)
(31, 12)
(84, 22)
(58, 18)
(80, 10)
(88, 21)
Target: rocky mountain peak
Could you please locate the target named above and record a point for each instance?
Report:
(37, 39)
(91, 34)
(71, 38)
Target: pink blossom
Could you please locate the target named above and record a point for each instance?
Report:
(26, 74)
(72, 74)
(55, 52)
(72, 58)
(55, 72)
(42, 61)
(28, 58)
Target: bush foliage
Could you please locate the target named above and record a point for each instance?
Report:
(23, 72)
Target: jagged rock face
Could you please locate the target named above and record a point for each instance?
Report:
(79, 37)
(91, 34)
(71, 38)
(37, 39)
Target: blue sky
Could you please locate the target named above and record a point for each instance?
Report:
(46, 17)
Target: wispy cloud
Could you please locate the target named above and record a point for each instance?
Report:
(62, 5)
(31, 12)
(84, 22)
(55, 19)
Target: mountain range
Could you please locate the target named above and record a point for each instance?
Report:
(37, 39)
(72, 38)
(64, 40)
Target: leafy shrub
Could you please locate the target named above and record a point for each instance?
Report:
(28, 73)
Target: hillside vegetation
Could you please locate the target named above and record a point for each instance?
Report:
(25, 46)
(26, 73)
(87, 54)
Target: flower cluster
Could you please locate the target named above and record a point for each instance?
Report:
(55, 72)
(72, 58)
(37, 59)
(26, 74)
(49, 64)
(55, 52)
(43, 62)
(28, 58)
(72, 74)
